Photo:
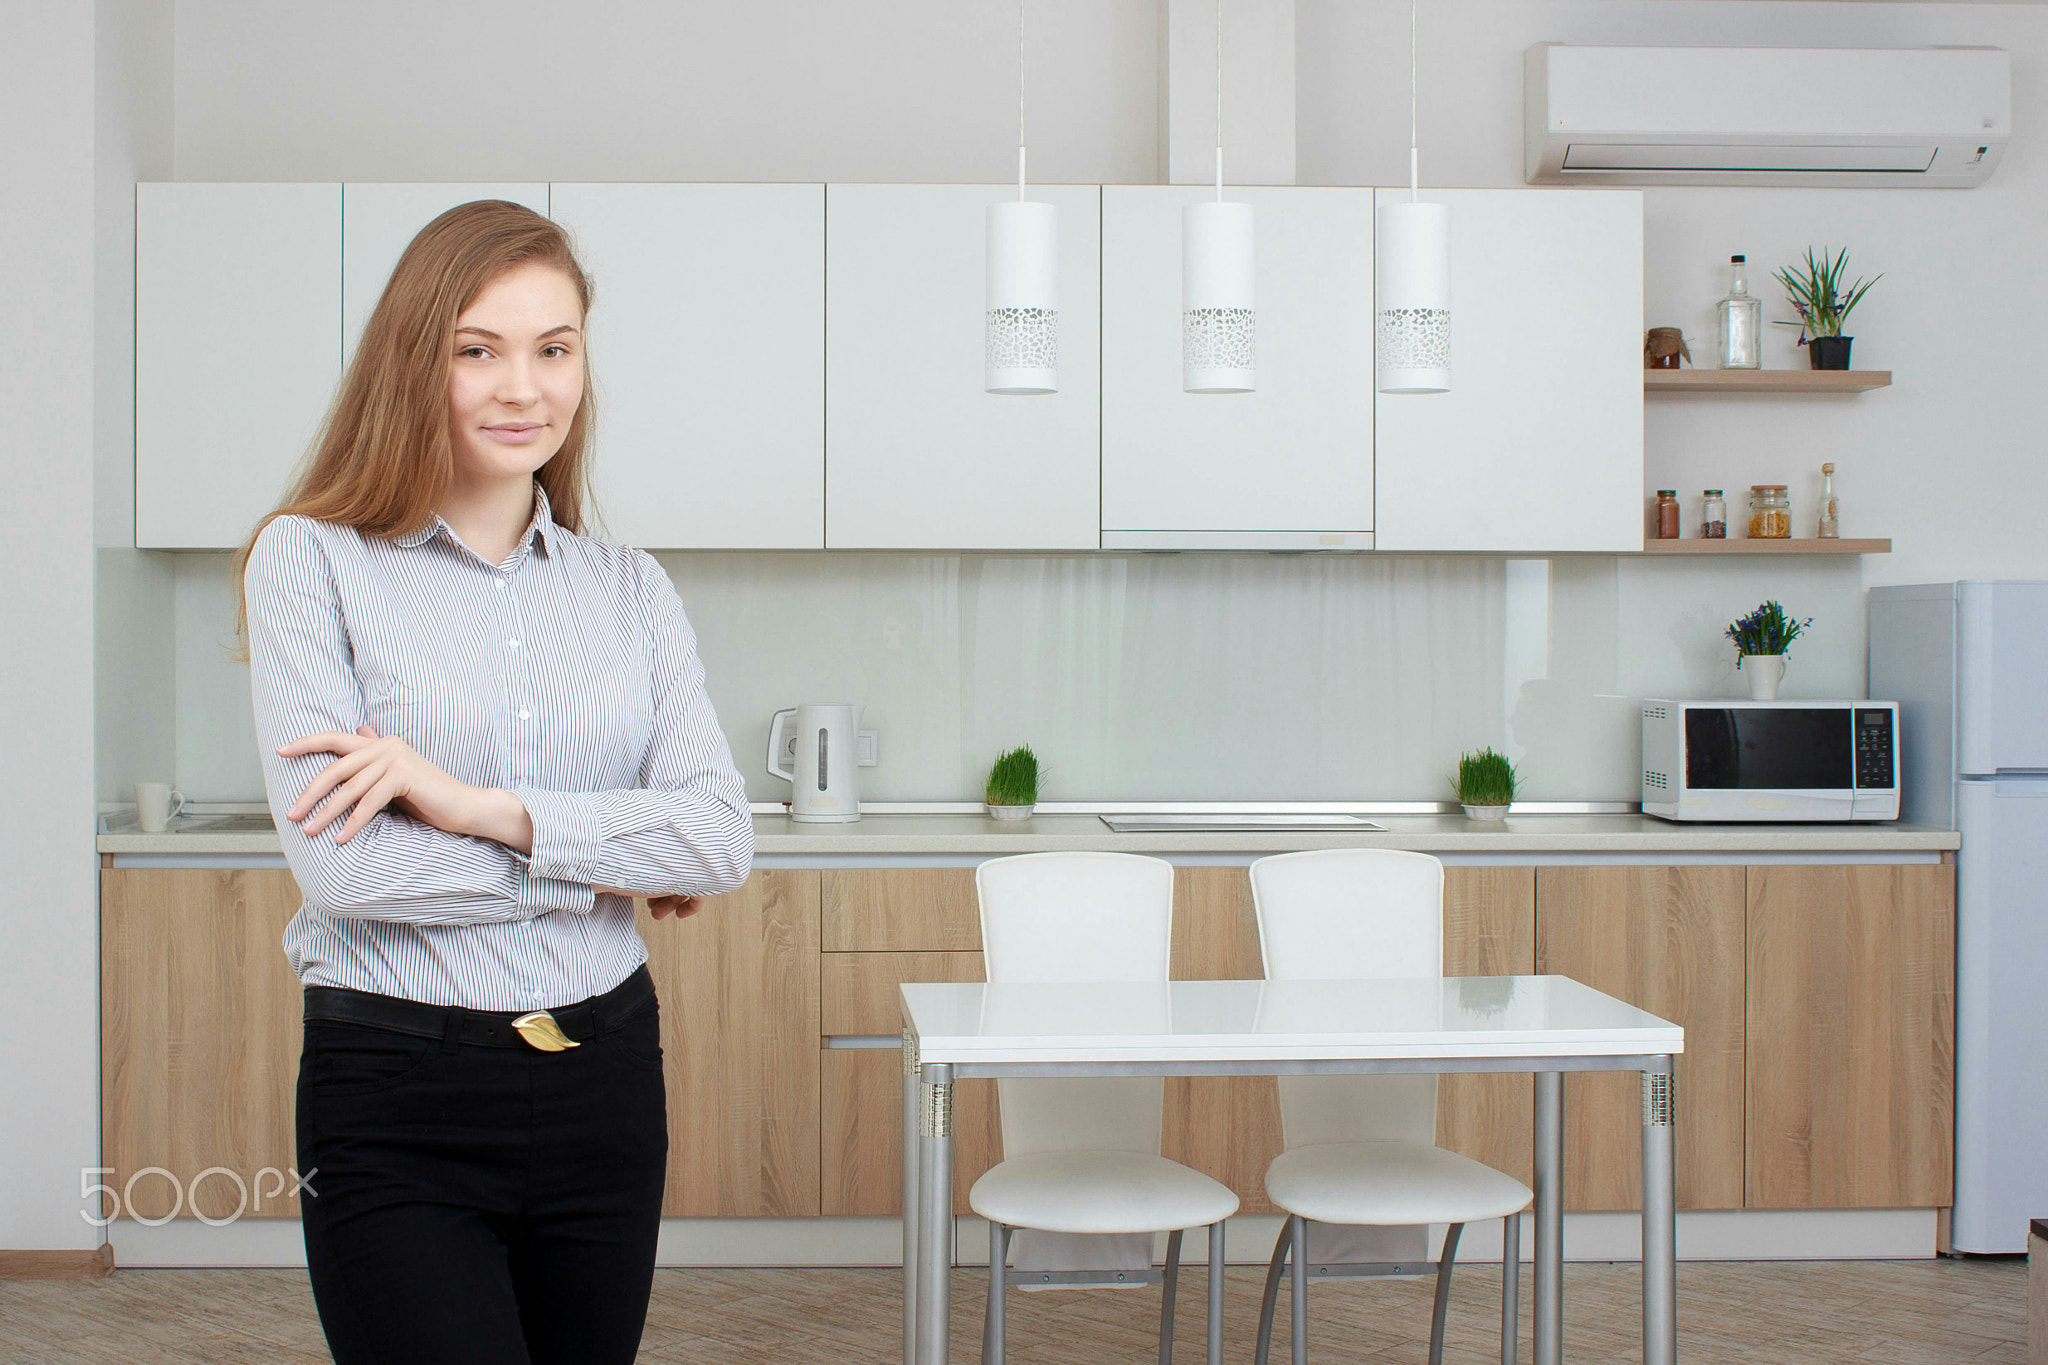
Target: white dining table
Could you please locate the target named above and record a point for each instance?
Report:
(1547, 1025)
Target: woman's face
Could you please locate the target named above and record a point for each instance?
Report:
(517, 374)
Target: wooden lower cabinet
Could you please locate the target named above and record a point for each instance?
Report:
(201, 1023)
(860, 1100)
(739, 988)
(1227, 1127)
(1490, 930)
(1668, 940)
(1851, 1037)
(199, 1038)
(1818, 1004)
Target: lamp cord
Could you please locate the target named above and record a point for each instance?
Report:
(1020, 101)
(1219, 101)
(1414, 141)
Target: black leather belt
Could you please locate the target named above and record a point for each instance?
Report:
(453, 1025)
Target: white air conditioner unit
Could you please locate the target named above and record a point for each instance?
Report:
(1911, 117)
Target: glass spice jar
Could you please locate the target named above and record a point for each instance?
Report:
(1714, 516)
(1770, 512)
(1667, 514)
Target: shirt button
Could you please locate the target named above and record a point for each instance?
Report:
(513, 643)
(523, 715)
(501, 582)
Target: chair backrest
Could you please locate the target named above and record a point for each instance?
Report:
(1077, 917)
(1353, 912)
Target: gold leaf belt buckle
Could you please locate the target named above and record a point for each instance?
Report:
(540, 1029)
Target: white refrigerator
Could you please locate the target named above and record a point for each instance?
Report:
(1968, 664)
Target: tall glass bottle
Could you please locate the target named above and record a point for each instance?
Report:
(1741, 322)
(1830, 510)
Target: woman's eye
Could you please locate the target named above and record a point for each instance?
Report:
(473, 351)
(557, 348)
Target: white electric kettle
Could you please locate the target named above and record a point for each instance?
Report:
(827, 752)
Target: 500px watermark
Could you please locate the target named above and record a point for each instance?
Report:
(283, 1184)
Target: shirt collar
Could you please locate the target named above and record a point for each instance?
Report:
(543, 522)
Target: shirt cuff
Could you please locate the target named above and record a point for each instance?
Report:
(565, 835)
(540, 895)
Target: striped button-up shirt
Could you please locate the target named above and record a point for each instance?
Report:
(566, 675)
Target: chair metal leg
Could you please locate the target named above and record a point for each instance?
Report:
(1216, 1292)
(1297, 1230)
(1510, 1286)
(1172, 1282)
(1444, 1265)
(998, 1277)
(1272, 1295)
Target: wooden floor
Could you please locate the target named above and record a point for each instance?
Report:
(1899, 1312)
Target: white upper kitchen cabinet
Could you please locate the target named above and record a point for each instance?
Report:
(378, 222)
(1539, 444)
(917, 455)
(1287, 466)
(237, 350)
(707, 338)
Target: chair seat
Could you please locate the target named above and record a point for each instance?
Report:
(1390, 1184)
(1099, 1192)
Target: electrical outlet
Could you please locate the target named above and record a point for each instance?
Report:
(870, 748)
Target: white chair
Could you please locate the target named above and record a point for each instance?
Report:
(1361, 1150)
(1081, 1154)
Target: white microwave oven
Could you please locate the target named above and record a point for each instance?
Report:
(1771, 760)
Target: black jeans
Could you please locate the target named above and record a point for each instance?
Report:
(488, 1205)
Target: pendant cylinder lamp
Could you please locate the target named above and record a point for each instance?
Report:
(1023, 344)
(1218, 317)
(1412, 287)
(1412, 275)
(1021, 347)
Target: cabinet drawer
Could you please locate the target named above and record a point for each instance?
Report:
(860, 1163)
(902, 910)
(859, 989)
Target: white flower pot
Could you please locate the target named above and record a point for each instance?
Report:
(1764, 672)
(1008, 812)
(1486, 812)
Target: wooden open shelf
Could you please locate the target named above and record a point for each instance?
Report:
(1696, 546)
(1764, 381)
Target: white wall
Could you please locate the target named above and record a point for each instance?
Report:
(49, 976)
(792, 90)
(134, 679)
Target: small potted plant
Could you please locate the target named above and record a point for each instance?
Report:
(1761, 639)
(1823, 306)
(1486, 784)
(1012, 791)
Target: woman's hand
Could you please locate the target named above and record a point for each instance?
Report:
(372, 771)
(682, 907)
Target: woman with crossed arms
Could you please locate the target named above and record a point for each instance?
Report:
(483, 734)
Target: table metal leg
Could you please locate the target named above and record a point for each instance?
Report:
(1297, 1232)
(1216, 1292)
(1549, 1265)
(1660, 1218)
(935, 1216)
(1510, 1286)
(911, 1101)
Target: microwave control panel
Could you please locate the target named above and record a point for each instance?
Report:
(1875, 765)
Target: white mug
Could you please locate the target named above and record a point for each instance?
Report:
(155, 804)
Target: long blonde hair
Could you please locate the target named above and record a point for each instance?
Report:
(382, 459)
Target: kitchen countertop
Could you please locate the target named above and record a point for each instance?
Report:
(958, 835)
